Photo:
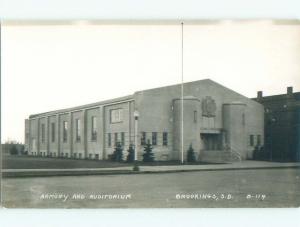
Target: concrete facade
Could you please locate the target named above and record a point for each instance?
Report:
(215, 120)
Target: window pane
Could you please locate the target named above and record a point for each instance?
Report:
(78, 126)
(53, 132)
(94, 129)
(116, 115)
(154, 138)
(251, 140)
(65, 131)
(116, 138)
(109, 139)
(123, 138)
(165, 139)
(43, 132)
(143, 138)
(258, 140)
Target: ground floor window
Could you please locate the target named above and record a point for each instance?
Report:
(251, 140)
(109, 139)
(96, 156)
(258, 143)
(165, 139)
(143, 138)
(116, 138)
(154, 138)
(122, 138)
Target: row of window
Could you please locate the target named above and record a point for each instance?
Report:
(143, 138)
(252, 140)
(74, 155)
(116, 138)
(116, 116)
(65, 130)
(94, 134)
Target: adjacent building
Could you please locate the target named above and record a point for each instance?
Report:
(218, 122)
(282, 125)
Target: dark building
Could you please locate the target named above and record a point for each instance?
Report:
(282, 125)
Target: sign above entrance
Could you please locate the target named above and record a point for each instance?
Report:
(209, 107)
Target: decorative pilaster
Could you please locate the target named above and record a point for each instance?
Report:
(70, 134)
(85, 133)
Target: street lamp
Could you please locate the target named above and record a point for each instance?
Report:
(136, 118)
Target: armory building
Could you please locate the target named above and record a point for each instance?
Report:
(218, 122)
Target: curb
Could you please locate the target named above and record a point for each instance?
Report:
(8, 174)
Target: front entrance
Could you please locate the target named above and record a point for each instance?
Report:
(211, 141)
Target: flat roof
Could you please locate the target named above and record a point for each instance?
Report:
(91, 105)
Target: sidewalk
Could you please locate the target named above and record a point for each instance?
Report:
(244, 165)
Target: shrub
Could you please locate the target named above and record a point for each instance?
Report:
(148, 156)
(13, 150)
(118, 153)
(130, 156)
(191, 154)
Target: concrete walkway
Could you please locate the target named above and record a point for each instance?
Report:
(146, 169)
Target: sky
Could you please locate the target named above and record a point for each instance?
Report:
(49, 67)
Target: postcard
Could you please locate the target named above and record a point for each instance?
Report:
(192, 114)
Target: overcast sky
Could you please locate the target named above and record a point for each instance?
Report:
(48, 67)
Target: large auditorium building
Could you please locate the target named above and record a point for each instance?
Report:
(218, 122)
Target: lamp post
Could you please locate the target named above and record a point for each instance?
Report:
(136, 118)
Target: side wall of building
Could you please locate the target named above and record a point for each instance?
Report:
(118, 131)
(156, 118)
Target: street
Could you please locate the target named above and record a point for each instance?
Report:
(230, 188)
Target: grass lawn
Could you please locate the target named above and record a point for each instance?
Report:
(34, 162)
(30, 162)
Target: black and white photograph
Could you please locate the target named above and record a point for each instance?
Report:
(191, 114)
(196, 114)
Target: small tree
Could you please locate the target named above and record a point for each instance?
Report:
(118, 153)
(191, 154)
(130, 156)
(13, 150)
(148, 156)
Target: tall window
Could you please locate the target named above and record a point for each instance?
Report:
(154, 138)
(94, 129)
(65, 131)
(123, 138)
(143, 138)
(258, 143)
(109, 139)
(165, 139)
(116, 138)
(78, 127)
(195, 116)
(251, 140)
(43, 133)
(52, 132)
(116, 115)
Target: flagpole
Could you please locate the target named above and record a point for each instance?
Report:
(182, 93)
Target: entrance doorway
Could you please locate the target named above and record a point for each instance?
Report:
(211, 141)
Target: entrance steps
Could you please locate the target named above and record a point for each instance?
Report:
(219, 156)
